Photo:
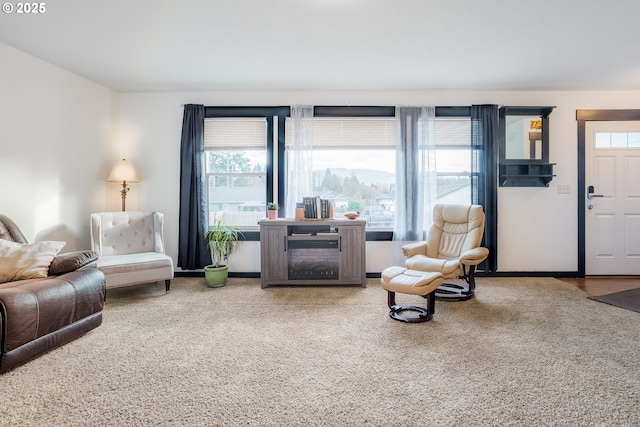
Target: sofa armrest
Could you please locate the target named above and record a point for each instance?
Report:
(416, 248)
(72, 261)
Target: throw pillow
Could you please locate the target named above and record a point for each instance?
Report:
(26, 260)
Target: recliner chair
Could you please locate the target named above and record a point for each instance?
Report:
(452, 248)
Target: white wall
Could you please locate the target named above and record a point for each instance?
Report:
(60, 135)
(56, 131)
(537, 226)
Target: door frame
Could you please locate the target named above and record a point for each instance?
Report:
(583, 116)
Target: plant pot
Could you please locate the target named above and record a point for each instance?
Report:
(216, 276)
(272, 214)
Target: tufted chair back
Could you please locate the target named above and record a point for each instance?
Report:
(455, 229)
(129, 232)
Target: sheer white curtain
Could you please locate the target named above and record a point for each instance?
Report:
(299, 158)
(416, 187)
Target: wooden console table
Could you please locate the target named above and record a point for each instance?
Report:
(312, 252)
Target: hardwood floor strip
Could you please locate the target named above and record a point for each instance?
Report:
(596, 286)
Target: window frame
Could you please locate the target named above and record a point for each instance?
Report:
(269, 113)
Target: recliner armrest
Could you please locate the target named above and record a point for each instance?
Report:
(474, 256)
(416, 248)
(72, 261)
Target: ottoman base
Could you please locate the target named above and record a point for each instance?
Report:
(424, 314)
(398, 279)
(454, 292)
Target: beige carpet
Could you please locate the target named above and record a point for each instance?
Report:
(524, 352)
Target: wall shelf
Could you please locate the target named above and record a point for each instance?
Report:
(526, 174)
(524, 147)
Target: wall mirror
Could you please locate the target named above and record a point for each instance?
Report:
(524, 134)
(523, 137)
(524, 147)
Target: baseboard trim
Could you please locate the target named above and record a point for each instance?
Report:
(253, 275)
(557, 274)
(200, 273)
(190, 273)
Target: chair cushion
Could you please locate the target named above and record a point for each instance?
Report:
(448, 268)
(130, 269)
(398, 279)
(20, 261)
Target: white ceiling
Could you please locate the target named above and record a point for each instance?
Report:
(199, 45)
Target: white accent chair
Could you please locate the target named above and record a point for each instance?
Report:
(131, 248)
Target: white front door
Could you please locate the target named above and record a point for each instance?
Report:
(612, 160)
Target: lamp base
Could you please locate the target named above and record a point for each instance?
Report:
(123, 193)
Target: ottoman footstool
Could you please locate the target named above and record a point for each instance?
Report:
(413, 282)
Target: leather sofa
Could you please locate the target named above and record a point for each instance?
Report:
(39, 314)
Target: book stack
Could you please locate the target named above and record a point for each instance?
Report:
(317, 208)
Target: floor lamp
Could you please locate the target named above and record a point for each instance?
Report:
(123, 172)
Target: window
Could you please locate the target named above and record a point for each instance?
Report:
(353, 161)
(453, 159)
(236, 169)
(353, 164)
(617, 139)
(245, 166)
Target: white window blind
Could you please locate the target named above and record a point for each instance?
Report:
(376, 132)
(453, 131)
(235, 133)
(336, 132)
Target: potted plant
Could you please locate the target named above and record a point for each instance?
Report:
(272, 210)
(221, 240)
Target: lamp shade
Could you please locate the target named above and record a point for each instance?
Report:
(123, 171)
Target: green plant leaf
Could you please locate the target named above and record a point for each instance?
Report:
(222, 240)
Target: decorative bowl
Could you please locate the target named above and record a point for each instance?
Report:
(352, 215)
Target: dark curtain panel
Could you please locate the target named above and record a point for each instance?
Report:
(484, 178)
(192, 249)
